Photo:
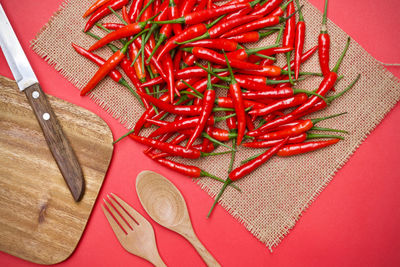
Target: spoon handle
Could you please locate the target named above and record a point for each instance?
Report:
(205, 255)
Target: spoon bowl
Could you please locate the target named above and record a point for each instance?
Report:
(165, 204)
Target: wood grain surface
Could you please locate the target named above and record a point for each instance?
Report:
(39, 219)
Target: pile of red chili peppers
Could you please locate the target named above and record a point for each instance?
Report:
(179, 54)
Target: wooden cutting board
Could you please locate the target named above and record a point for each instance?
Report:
(39, 220)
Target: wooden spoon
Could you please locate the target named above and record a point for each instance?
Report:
(165, 205)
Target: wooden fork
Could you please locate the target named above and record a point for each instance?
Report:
(133, 231)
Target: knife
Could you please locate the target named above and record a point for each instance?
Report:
(28, 83)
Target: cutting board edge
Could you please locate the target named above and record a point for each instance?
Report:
(107, 132)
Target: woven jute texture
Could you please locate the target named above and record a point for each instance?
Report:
(275, 195)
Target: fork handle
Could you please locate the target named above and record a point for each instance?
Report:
(157, 261)
(204, 253)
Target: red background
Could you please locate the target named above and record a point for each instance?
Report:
(354, 222)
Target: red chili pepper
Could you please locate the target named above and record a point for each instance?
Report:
(169, 69)
(187, 34)
(149, 113)
(266, 62)
(208, 103)
(174, 150)
(273, 124)
(126, 31)
(289, 33)
(135, 9)
(163, 138)
(268, 143)
(249, 123)
(114, 74)
(147, 52)
(250, 166)
(177, 61)
(322, 104)
(223, 27)
(180, 85)
(157, 6)
(163, 13)
(186, 73)
(146, 12)
(187, 7)
(165, 33)
(299, 41)
(231, 123)
(95, 6)
(173, 14)
(249, 37)
(189, 59)
(326, 85)
(255, 25)
(204, 15)
(215, 57)
(293, 101)
(272, 93)
(108, 66)
(139, 68)
(269, 52)
(201, 85)
(295, 149)
(175, 109)
(236, 92)
(220, 44)
(104, 11)
(200, 6)
(189, 170)
(260, 83)
(267, 8)
(297, 129)
(303, 109)
(244, 54)
(227, 102)
(304, 57)
(268, 71)
(125, 15)
(324, 44)
(279, 11)
(113, 26)
(183, 124)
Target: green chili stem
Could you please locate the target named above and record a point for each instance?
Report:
(336, 68)
(212, 139)
(251, 158)
(315, 121)
(227, 182)
(117, 15)
(144, 9)
(206, 174)
(324, 17)
(191, 87)
(316, 136)
(233, 155)
(329, 130)
(215, 154)
(331, 98)
(122, 137)
(123, 82)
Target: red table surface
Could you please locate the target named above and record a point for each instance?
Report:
(354, 222)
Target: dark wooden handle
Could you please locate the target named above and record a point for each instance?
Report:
(56, 140)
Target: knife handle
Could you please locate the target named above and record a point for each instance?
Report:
(56, 140)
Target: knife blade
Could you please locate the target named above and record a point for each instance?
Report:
(27, 82)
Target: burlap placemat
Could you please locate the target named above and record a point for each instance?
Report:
(275, 195)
